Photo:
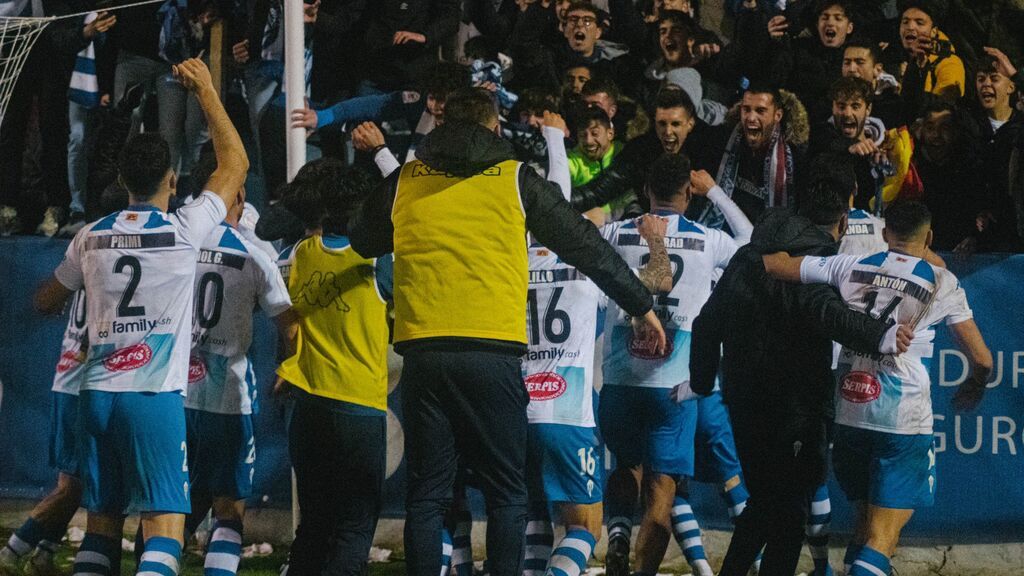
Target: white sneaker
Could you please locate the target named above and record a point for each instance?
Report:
(9, 222)
(51, 221)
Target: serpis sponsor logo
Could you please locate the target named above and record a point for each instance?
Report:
(68, 360)
(860, 387)
(638, 349)
(129, 358)
(545, 386)
(196, 369)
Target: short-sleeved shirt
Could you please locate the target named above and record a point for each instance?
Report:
(863, 234)
(890, 393)
(696, 252)
(67, 378)
(138, 267)
(232, 278)
(562, 307)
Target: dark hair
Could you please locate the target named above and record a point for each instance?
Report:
(834, 166)
(905, 218)
(850, 88)
(823, 5)
(765, 88)
(668, 176)
(537, 99)
(824, 202)
(471, 106)
(865, 43)
(935, 9)
(587, 115)
(586, 6)
(679, 17)
(444, 79)
(675, 97)
(602, 85)
(480, 48)
(143, 163)
(325, 192)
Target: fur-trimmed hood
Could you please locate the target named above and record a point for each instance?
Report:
(795, 121)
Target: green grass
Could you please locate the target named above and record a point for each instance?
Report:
(193, 566)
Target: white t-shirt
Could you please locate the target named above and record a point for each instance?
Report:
(138, 268)
(890, 393)
(561, 312)
(232, 277)
(67, 378)
(696, 253)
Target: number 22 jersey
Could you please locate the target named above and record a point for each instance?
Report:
(138, 267)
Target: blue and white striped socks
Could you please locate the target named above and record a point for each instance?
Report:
(870, 562)
(161, 558)
(24, 539)
(817, 531)
(687, 533)
(736, 499)
(225, 549)
(572, 553)
(98, 555)
(446, 552)
(851, 554)
(462, 544)
(540, 537)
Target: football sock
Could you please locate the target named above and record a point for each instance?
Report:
(97, 555)
(161, 558)
(870, 562)
(225, 549)
(572, 553)
(539, 538)
(462, 544)
(817, 531)
(687, 533)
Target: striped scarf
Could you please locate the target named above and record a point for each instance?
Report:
(85, 87)
(778, 174)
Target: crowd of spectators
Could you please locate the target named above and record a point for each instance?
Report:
(921, 95)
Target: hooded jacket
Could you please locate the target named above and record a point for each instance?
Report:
(773, 340)
(466, 150)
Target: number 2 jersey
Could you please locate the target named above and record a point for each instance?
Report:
(232, 277)
(695, 252)
(138, 268)
(890, 393)
(561, 312)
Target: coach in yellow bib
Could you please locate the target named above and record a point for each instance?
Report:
(457, 221)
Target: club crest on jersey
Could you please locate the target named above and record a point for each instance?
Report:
(131, 217)
(68, 360)
(638, 350)
(860, 387)
(196, 369)
(545, 386)
(129, 358)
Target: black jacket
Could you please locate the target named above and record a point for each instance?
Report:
(776, 338)
(467, 149)
(406, 65)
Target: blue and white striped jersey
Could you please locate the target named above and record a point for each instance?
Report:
(890, 393)
(232, 277)
(138, 268)
(696, 252)
(562, 308)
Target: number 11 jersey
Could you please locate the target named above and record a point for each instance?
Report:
(138, 267)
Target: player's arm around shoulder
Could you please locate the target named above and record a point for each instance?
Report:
(370, 229)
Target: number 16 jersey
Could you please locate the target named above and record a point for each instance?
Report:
(137, 267)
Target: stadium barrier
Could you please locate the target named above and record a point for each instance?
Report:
(979, 454)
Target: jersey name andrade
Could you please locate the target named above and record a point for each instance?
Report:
(671, 242)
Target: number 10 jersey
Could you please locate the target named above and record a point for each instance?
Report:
(138, 267)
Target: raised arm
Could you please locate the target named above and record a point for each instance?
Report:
(704, 185)
(555, 131)
(232, 162)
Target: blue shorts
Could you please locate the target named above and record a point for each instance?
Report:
(716, 459)
(563, 463)
(221, 453)
(132, 452)
(887, 470)
(64, 433)
(646, 426)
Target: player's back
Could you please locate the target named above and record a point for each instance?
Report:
(232, 278)
(863, 234)
(892, 393)
(695, 252)
(137, 267)
(562, 308)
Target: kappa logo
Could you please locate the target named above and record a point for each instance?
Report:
(196, 369)
(420, 169)
(324, 290)
(545, 386)
(860, 387)
(129, 358)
